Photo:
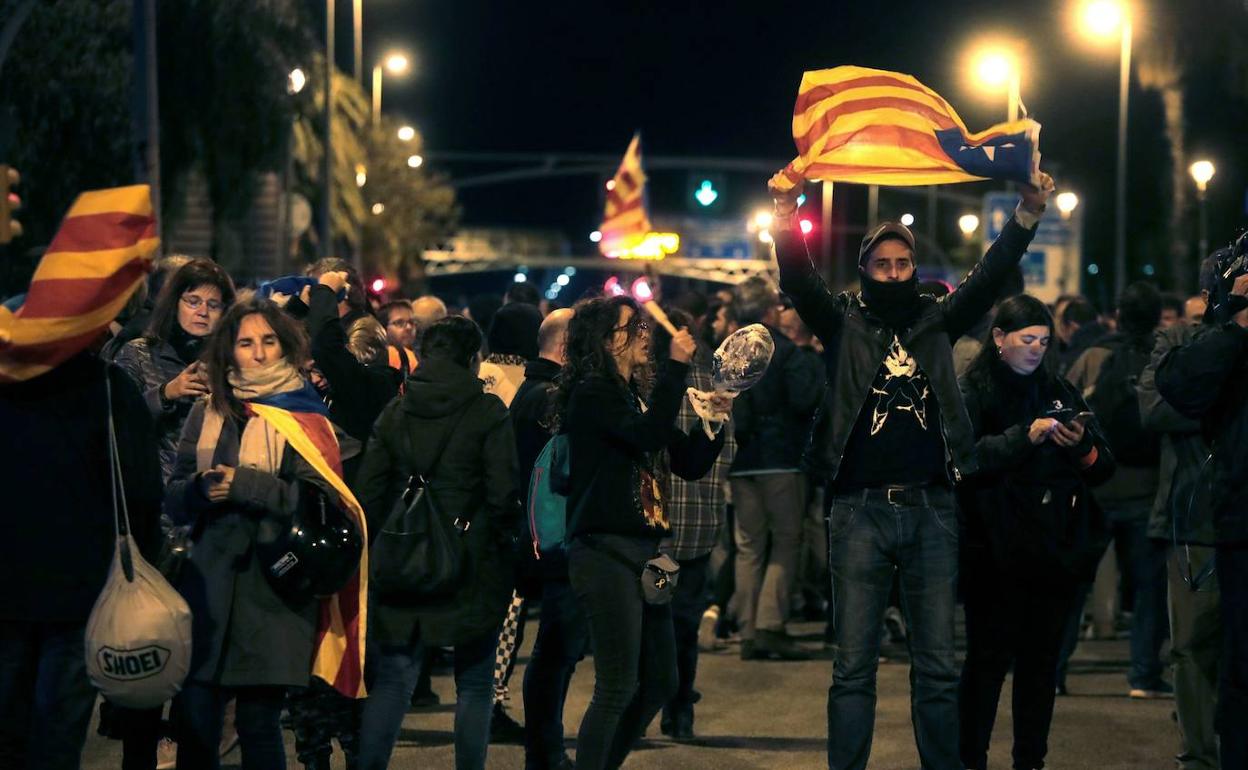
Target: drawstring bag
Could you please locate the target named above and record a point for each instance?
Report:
(138, 643)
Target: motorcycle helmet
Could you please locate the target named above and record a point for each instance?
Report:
(314, 552)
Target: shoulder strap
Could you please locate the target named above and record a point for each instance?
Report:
(437, 458)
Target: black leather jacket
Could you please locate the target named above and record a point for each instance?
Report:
(856, 342)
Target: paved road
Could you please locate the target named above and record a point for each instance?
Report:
(771, 715)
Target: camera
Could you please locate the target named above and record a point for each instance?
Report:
(1229, 263)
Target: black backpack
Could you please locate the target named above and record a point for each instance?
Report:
(421, 555)
(1116, 403)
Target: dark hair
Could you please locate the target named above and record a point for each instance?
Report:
(523, 294)
(694, 303)
(355, 287)
(1208, 277)
(455, 338)
(588, 353)
(1139, 309)
(383, 312)
(1172, 301)
(218, 353)
(1017, 312)
(755, 297)
(712, 311)
(514, 330)
(1078, 310)
(192, 275)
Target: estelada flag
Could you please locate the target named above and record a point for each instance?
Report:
(98, 258)
(342, 625)
(626, 222)
(854, 124)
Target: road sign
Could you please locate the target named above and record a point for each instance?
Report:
(1051, 265)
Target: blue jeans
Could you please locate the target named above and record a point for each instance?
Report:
(200, 709)
(392, 678)
(1143, 564)
(868, 539)
(45, 696)
(562, 640)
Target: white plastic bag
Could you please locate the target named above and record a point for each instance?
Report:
(138, 643)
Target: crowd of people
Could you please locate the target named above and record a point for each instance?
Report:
(908, 448)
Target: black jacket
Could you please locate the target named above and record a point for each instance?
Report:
(1208, 379)
(529, 409)
(610, 440)
(1028, 504)
(56, 534)
(358, 392)
(475, 477)
(856, 341)
(771, 421)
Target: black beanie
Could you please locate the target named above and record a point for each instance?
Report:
(513, 332)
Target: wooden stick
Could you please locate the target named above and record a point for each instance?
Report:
(659, 316)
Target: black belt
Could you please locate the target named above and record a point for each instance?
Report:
(910, 495)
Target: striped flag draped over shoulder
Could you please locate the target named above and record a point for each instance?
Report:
(854, 124)
(99, 257)
(626, 222)
(342, 624)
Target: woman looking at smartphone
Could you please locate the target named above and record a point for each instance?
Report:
(1032, 531)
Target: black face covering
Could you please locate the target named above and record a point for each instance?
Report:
(186, 345)
(894, 302)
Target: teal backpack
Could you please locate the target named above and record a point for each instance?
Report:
(548, 500)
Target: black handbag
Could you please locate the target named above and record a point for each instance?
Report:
(420, 555)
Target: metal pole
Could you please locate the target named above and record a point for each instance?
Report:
(873, 205)
(1120, 194)
(1014, 97)
(931, 214)
(376, 96)
(358, 26)
(327, 167)
(825, 231)
(147, 108)
(1204, 226)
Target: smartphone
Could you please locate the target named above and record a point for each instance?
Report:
(1083, 418)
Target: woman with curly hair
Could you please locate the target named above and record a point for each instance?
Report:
(621, 451)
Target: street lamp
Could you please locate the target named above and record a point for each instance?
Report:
(415, 161)
(295, 81)
(1066, 203)
(1103, 19)
(968, 224)
(1202, 171)
(396, 64)
(995, 68)
(406, 134)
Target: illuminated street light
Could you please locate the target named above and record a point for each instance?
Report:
(378, 208)
(295, 81)
(361, 175)
(1066, 203)
(995, 68)
(907, 219)
(762, 219)
(396, 64)
(519, 278)
(968, 224)
(765, 236)
(595, 236)
(563, 280)
(406, 134)
(1202, 171)
(806, 226)
(1105, 20)
(415, 161)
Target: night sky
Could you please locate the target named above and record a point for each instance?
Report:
(719, 78)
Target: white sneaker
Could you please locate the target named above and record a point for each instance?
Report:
(707, 641)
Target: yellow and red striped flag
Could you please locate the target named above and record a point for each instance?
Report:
(854, 124)
(626, 223)
(342, 625)
(99, 257)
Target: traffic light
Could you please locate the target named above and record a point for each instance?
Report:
(706, 192)
(10, 228)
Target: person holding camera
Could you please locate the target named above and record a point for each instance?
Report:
(1031, 532)
(897, 438)
(1207, 379)
(233, 471)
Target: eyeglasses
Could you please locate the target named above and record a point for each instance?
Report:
(193, 302)
(402, 322)
(640, 327)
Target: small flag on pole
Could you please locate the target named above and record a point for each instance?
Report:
(100, 255)
(854, 124)
(626, 222)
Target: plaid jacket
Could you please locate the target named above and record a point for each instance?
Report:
(696, 508)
